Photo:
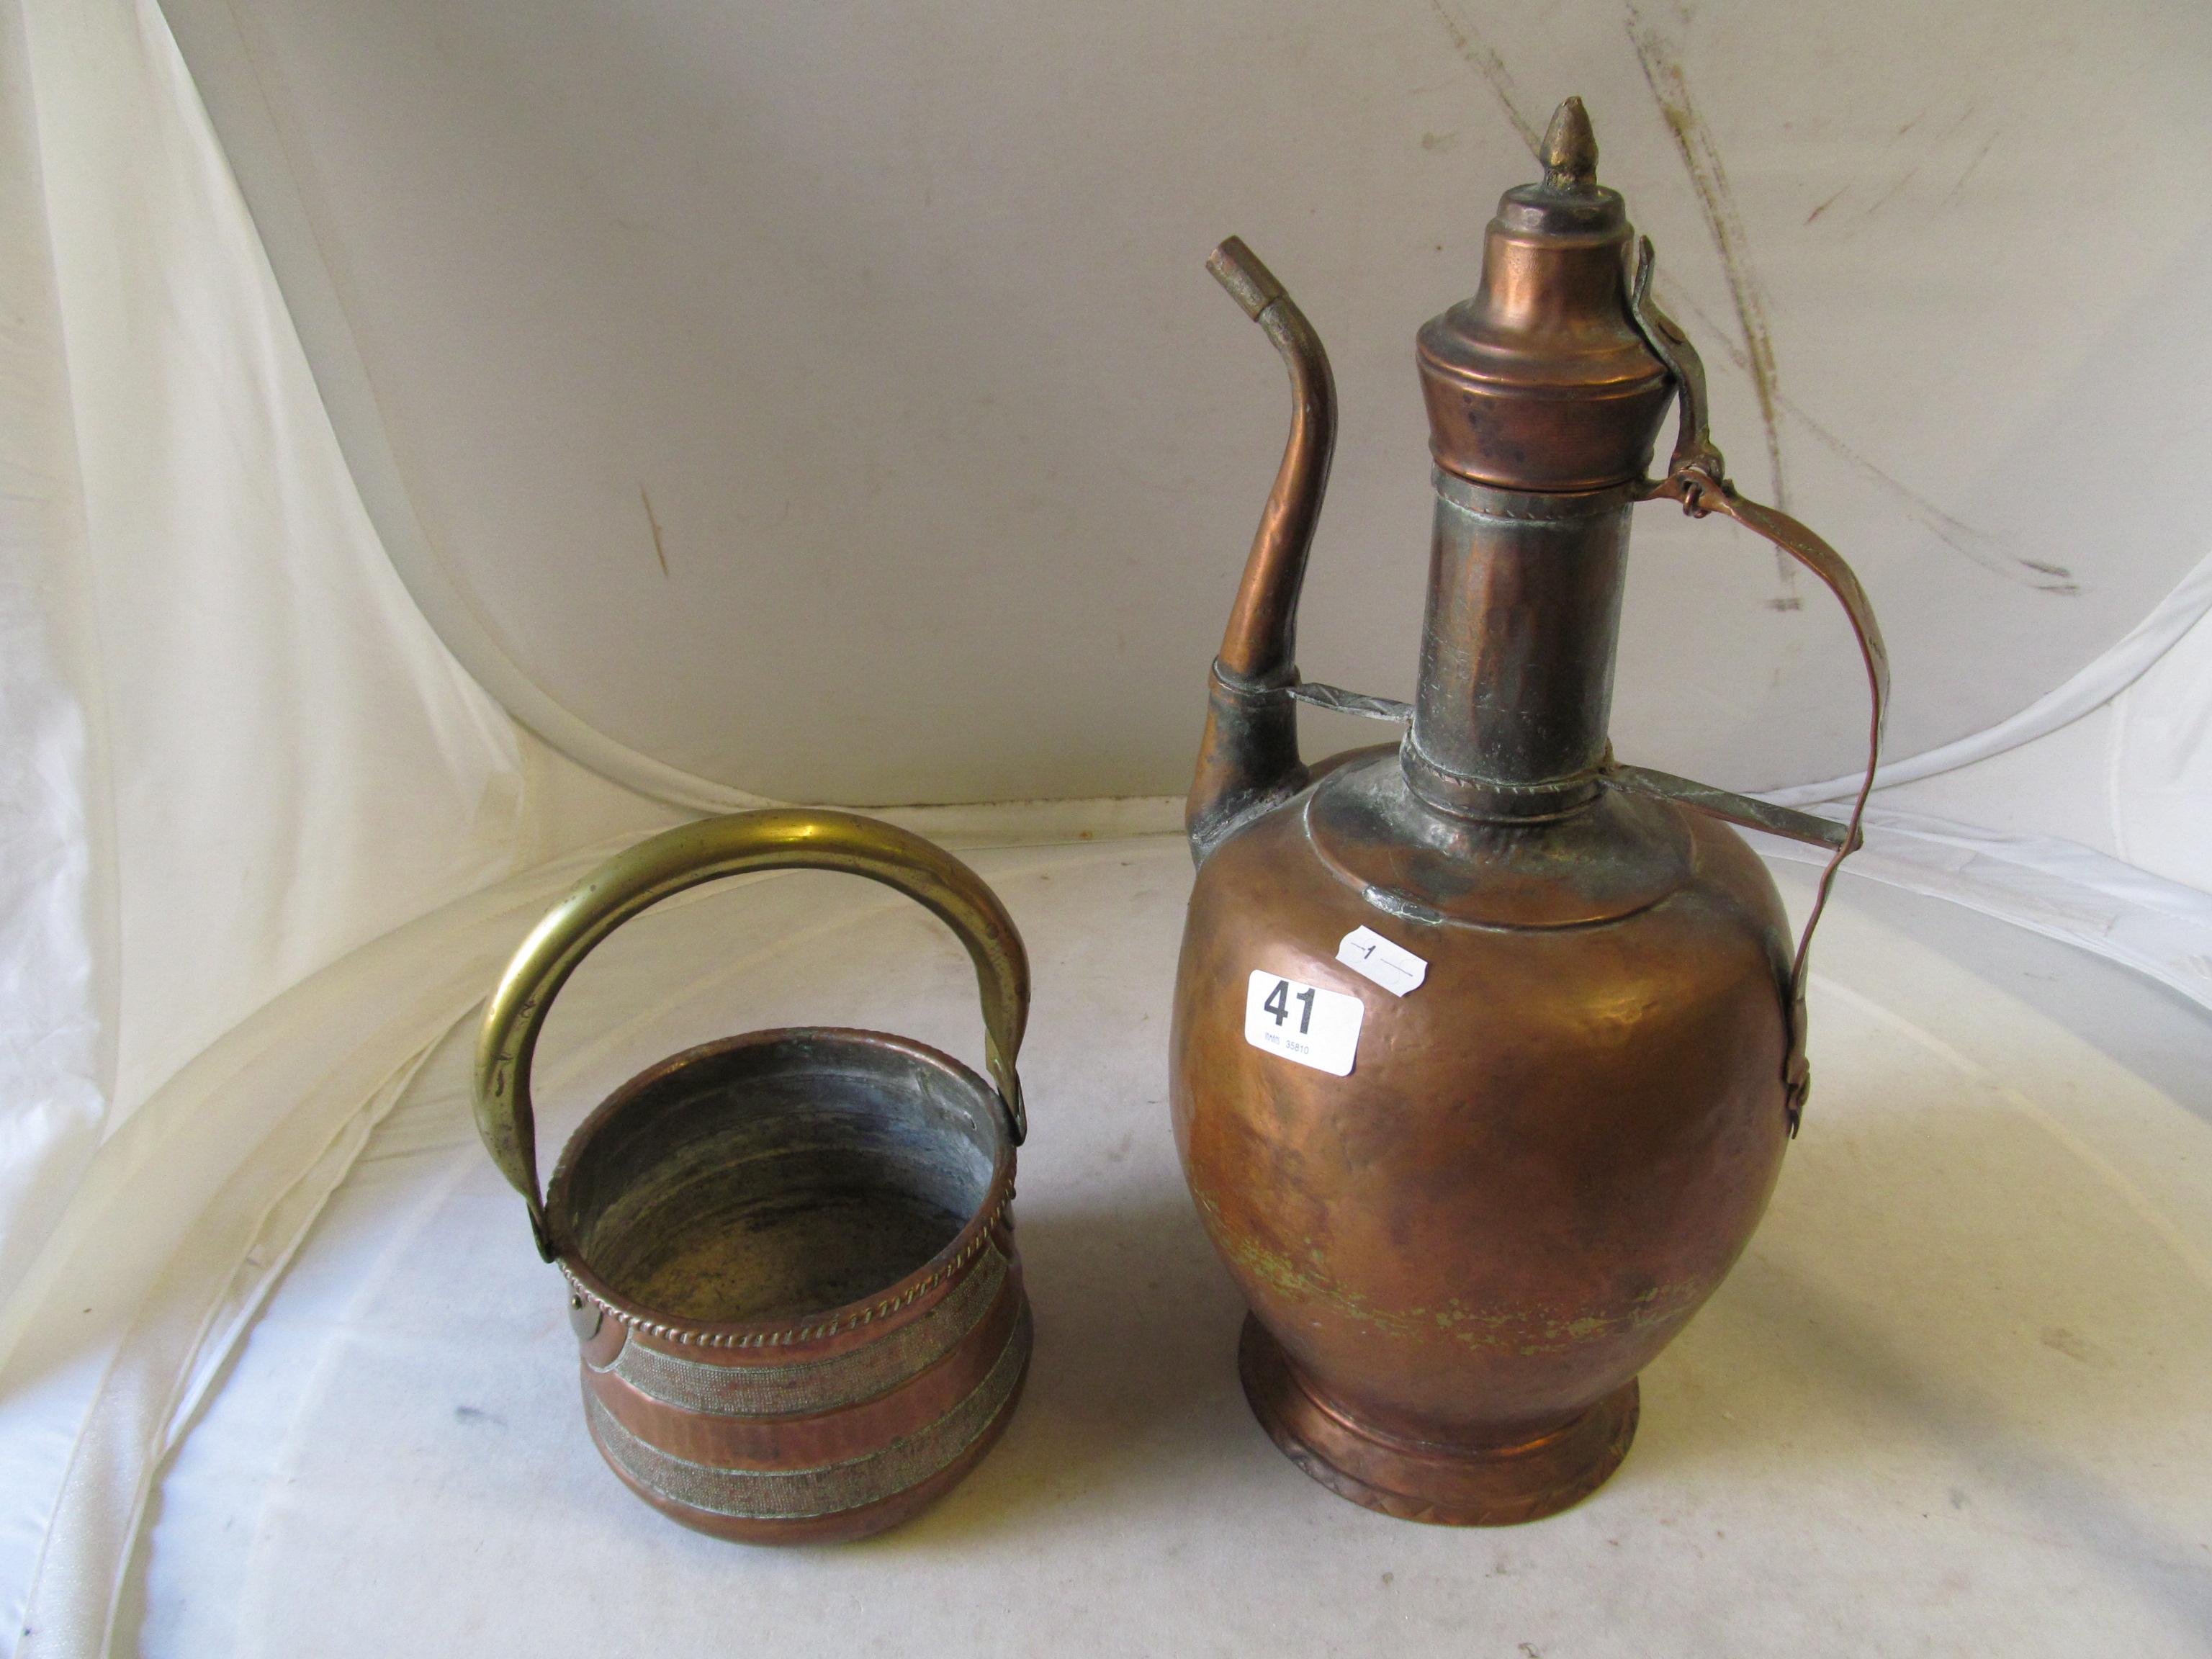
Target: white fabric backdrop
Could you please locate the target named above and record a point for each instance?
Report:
(265, 840)
(728, 381)
(234, 752)
(56, 1012)
(285, 761)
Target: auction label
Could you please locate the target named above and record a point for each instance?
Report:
(1315, 1028)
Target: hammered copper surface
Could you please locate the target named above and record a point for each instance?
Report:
(1547, 1155)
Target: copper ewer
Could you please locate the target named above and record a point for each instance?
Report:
(790, 1257)
(1486, 1047)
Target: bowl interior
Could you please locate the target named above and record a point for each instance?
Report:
(778, 1175)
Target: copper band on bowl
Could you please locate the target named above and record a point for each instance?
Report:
(828, 1489)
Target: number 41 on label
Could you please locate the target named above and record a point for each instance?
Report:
(1304, 1022)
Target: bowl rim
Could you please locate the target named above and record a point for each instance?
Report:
(887, 1310)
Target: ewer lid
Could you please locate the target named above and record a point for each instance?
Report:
(1541, 381)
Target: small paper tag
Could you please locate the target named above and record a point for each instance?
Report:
(1315, 1028)
(1396, 969)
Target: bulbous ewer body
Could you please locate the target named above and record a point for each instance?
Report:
(1468, 1210)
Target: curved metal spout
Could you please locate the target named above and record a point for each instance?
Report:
(1248, 759)
(1261, 643)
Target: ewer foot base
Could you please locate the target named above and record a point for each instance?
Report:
(1445, 1487)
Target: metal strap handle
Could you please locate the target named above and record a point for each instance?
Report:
(783, 838)
(1697, 477)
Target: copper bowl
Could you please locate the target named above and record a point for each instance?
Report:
(789, 1255)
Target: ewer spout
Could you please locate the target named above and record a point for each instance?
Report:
(1248, 760)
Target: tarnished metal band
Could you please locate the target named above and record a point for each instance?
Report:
(1252, 695)
(1494, 798)
(832, 1488)
(1524, 506)
(1807, 827)
(909, 1292)
(817, 1385)
(1367, 706)
(1249, 693)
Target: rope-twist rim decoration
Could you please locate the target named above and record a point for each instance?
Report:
(692, 1337)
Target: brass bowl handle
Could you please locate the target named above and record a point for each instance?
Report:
(783, 838)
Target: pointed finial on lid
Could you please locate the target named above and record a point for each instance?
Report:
(1570, 149)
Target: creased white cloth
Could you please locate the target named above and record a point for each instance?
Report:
(2161, 764)
(54, 1069)
(2050, 886)
(296, 764)
(231, 750)
(235, 750)
(2100, 681)
(186, 1216)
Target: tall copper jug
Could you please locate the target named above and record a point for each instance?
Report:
(1487, 1048)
